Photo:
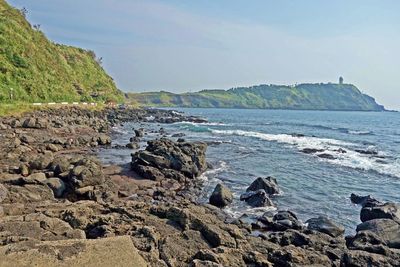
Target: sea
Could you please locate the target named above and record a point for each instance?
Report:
(248, 143)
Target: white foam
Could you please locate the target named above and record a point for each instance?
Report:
(350, 159)
(222, 167)
(202, 123)
(359, 132)
(302, 142)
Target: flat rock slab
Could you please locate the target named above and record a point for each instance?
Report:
(114, 251)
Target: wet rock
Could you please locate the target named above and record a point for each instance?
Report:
(57, 185)
(178, 135)
(363, 200)
(286, 220)
(268, 184)
(326, 156)
(139, 132)
(132, 145)
(257, 198)
(311, 150)
(221, 196)
(367, 152)
(281, 221)
(380, 211)
(324, 225)
(134, 139)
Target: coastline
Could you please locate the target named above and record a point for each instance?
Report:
(54, 189)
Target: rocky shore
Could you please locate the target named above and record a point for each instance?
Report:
(59, 206)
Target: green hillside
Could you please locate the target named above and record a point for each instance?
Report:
(304, 96)
(32, 68)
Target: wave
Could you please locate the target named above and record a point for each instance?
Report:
(339, 152)
(198, 127)
(359, 132)
(322, 127)
(202, 123)
(300, 141)
(222, 166)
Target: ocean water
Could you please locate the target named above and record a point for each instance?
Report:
(246, 144)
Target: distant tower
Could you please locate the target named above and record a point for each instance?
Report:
(340, 80)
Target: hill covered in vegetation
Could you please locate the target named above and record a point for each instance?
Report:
(32, 68)
(304, 96)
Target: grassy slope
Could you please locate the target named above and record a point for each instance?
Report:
(303, 96)
(39, 70)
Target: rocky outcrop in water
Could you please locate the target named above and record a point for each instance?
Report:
(164, 158)
(221, 196)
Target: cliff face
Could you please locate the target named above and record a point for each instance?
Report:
(32, 68)
(303, 96)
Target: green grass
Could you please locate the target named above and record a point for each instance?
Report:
(34, 69)
(304, 96)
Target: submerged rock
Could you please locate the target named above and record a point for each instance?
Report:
(221, 196)
(326, 156)
(311, 150)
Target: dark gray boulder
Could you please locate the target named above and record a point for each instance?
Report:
(324, 225)
(386, 229)
(311, 150)
(387, 210)
(221, 196)
(363, 200)
(139, 132)
(165, 155)
(257, 198)
(268, 184)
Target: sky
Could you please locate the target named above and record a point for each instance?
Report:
(179, 46)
